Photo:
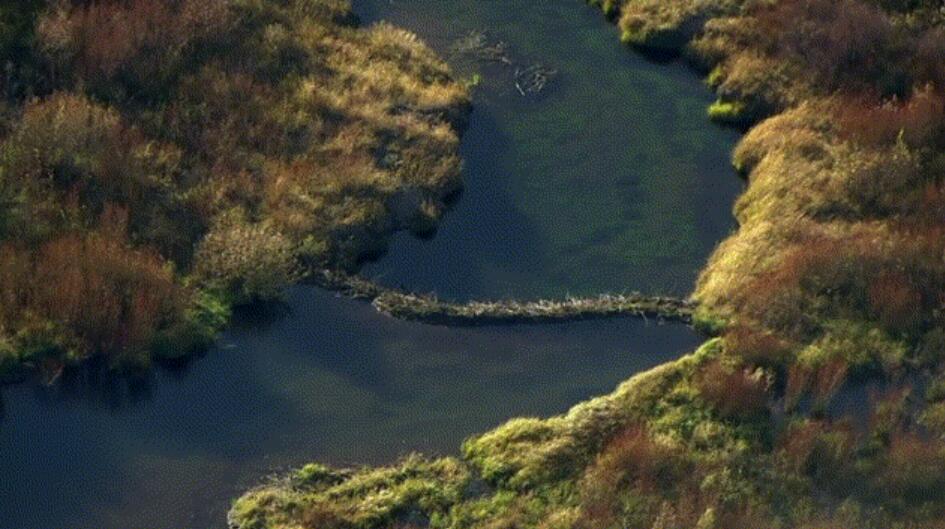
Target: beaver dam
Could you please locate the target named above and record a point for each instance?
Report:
(429, 309)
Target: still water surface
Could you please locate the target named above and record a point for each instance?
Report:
(611, 180)
(331, 381)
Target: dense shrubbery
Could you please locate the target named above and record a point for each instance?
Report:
(236, 141)
(251, 261)
(84, 292)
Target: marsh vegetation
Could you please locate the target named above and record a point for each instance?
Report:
(163, 161)
(832, 283)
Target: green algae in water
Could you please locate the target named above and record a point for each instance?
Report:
(611, 179)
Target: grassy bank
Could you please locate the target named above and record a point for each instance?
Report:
(820, 404)
(162, 161)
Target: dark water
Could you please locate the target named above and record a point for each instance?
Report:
(331, 381)
(611, 180)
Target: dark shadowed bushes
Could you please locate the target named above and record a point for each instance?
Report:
(129, 49)
(108, 298)
(733, 392)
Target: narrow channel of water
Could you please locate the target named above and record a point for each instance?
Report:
(612, 179)
(332, 381)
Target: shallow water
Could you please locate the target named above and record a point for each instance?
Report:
(611, 180)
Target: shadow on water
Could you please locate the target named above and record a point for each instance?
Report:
(503, 236)
(259, 316)
(612, 180)
(332, 380)
(100, 385)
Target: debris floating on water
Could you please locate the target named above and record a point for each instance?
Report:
(528, 80)
(533, 79)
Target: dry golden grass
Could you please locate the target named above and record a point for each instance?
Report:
(281, 117)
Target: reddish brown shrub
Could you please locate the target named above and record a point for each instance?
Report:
(913, 471)
(928, 64)
(930, 211)
(820, 449)
(113, 297)
(744, 517)
(822, 382)
(322, 516)
(17, 276)
(799, 380)
(895, 302)
(779, 298)
(798, 443)
(144, 40)
(847, 44)
(755, 346)
(828, 379)
(888, 413)
(919, 121)
(631, 459)
(895, 278)
(733, 392)
(108, 297)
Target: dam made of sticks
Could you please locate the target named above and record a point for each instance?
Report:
(427, 308)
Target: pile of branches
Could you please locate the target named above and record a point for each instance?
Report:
(528, 79)
(430, 309)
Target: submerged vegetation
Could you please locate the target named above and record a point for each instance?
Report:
(820, 402)
(163, 160)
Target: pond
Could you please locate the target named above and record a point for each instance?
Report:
(610, 179)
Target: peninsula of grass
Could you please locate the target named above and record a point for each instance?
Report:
(820, 404)
(164, 160)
